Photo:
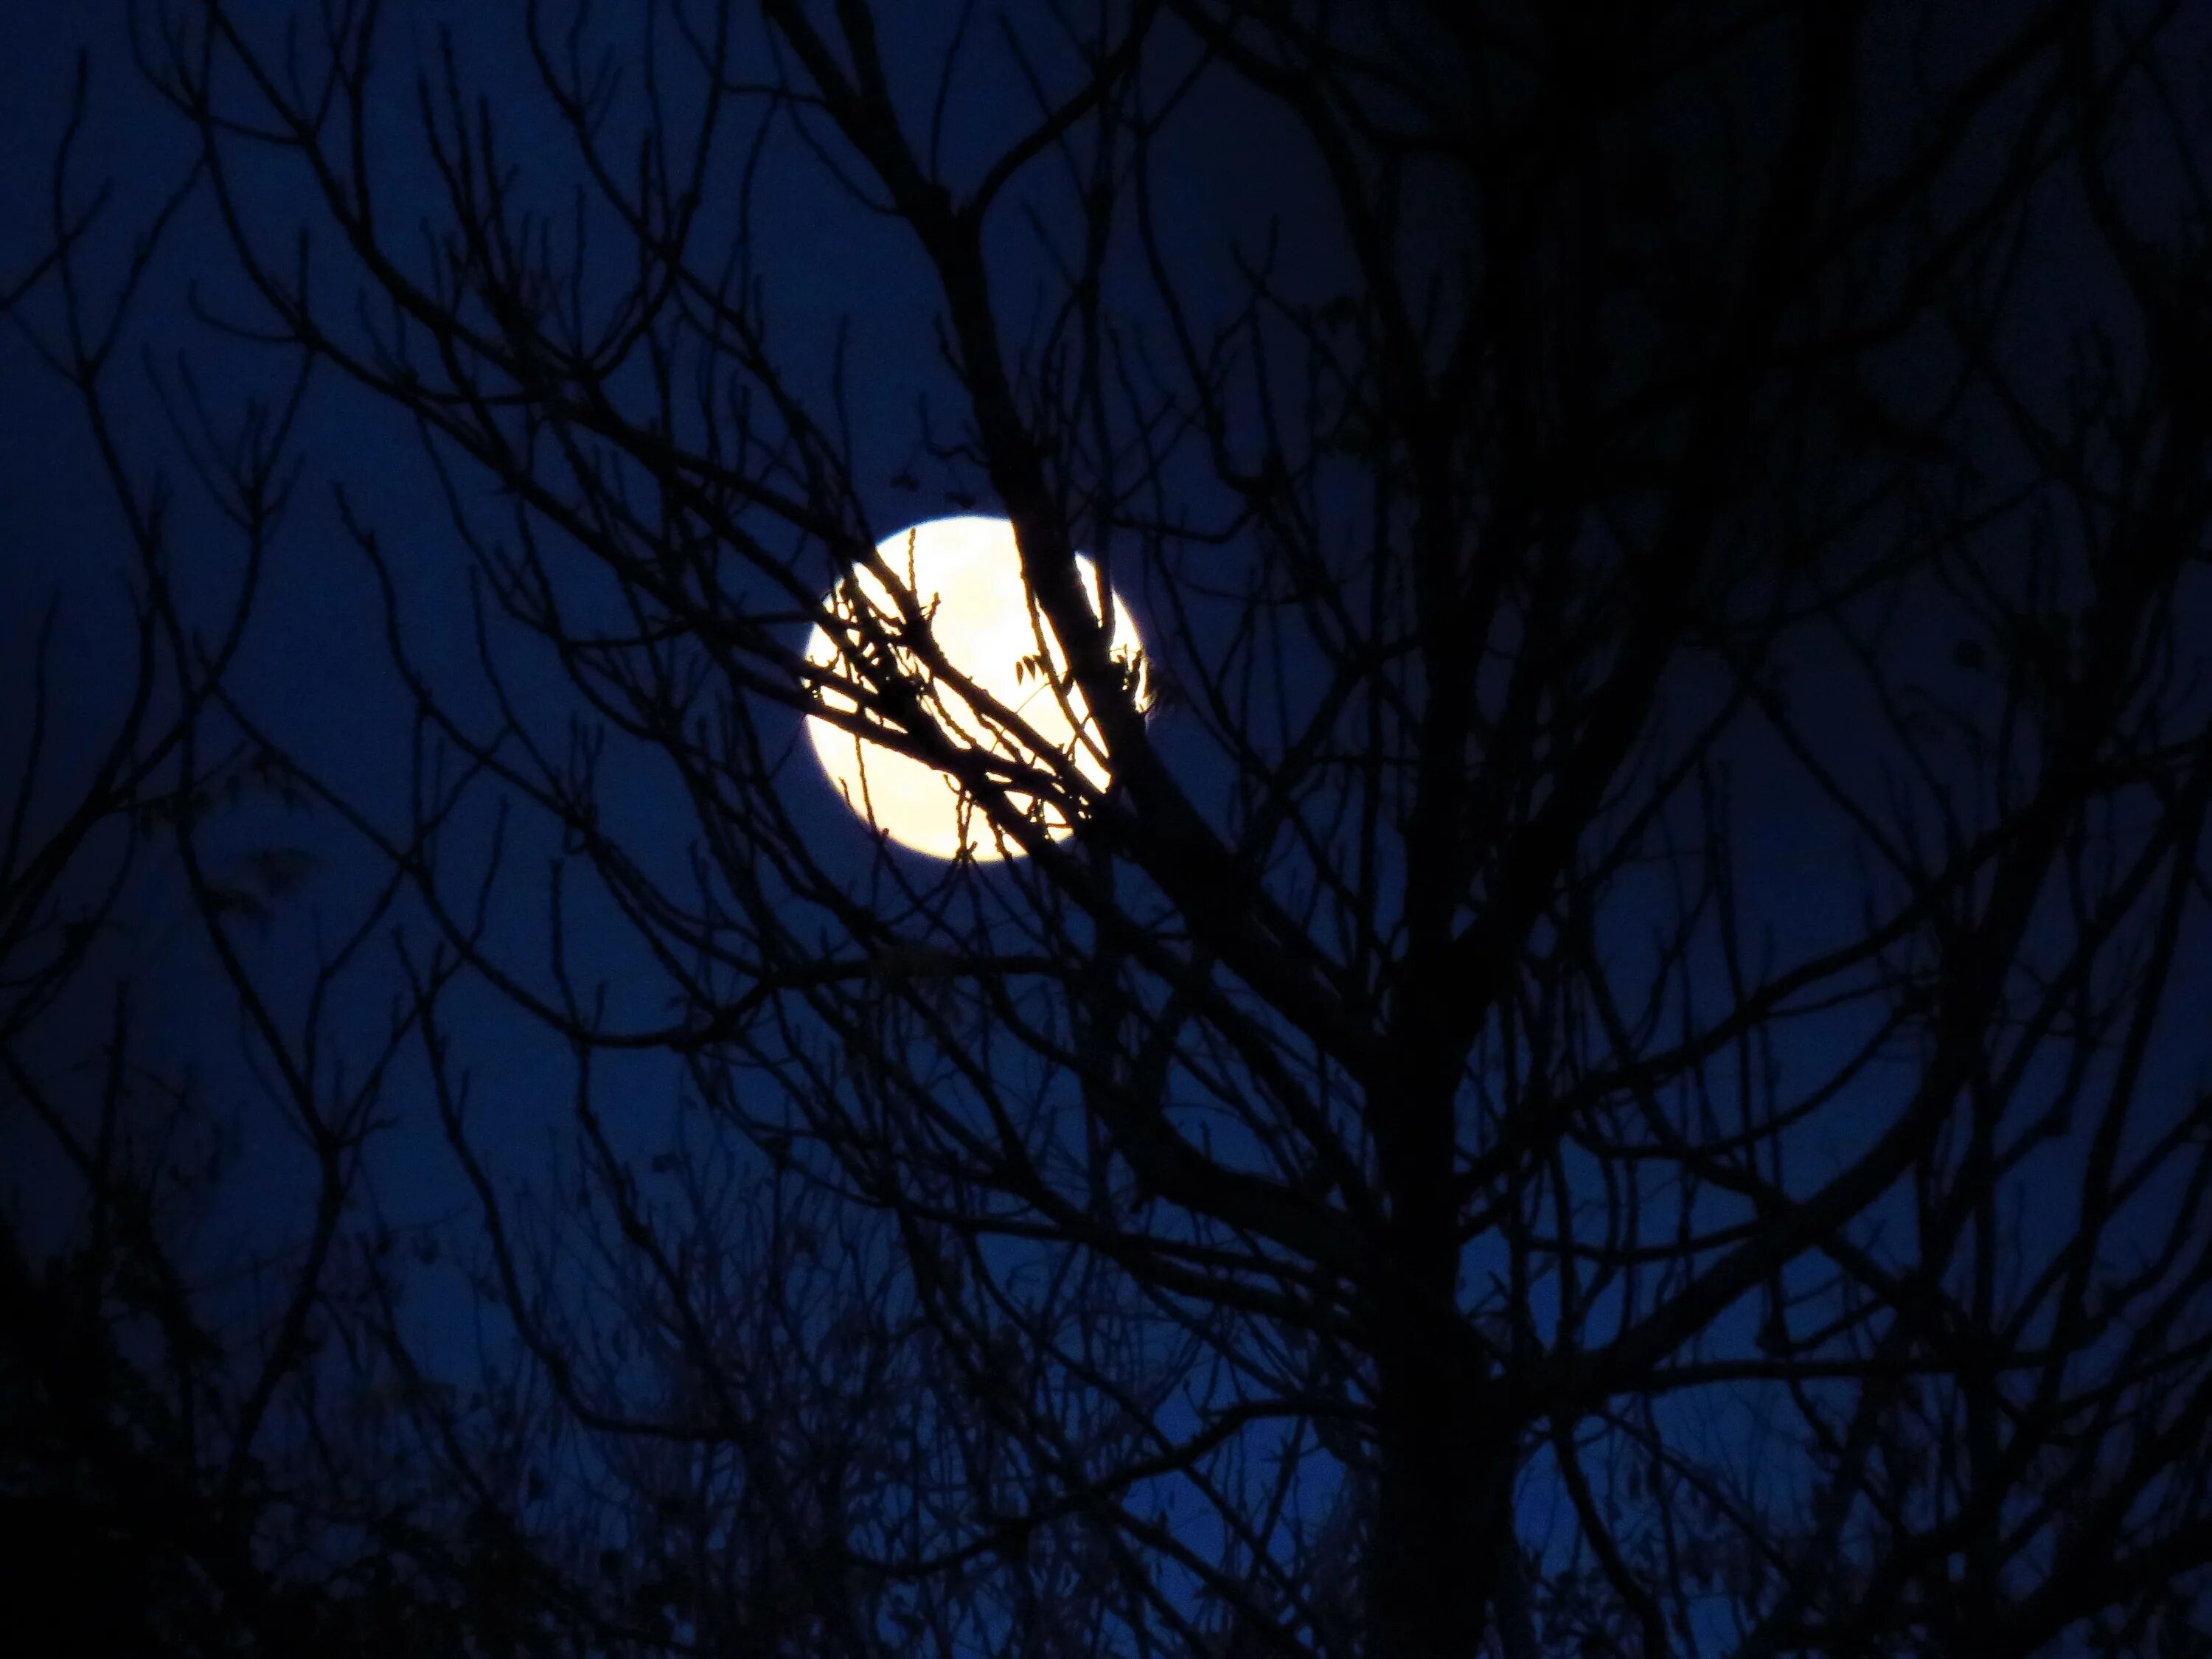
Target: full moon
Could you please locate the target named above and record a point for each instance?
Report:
(965, 573)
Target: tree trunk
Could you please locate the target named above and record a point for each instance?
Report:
(1434, 1549)
(1427, 1583)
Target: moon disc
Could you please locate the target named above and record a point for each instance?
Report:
(970, 569)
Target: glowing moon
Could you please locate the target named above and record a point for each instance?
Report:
(969, 569)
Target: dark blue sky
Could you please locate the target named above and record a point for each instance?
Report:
(316, 667)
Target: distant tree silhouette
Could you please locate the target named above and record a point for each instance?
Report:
(1617, 1070)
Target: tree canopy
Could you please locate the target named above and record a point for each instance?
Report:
(1592, 1054)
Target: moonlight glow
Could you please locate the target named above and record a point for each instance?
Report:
(970, 569)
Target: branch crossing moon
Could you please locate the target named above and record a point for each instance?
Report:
(965, 576)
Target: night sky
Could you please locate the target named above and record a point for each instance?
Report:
(854, 314)
(315, 657)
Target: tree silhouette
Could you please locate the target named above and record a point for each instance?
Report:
(1606, 1068)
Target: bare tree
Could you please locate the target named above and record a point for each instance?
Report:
(1602, 1070)
(160, 1468)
